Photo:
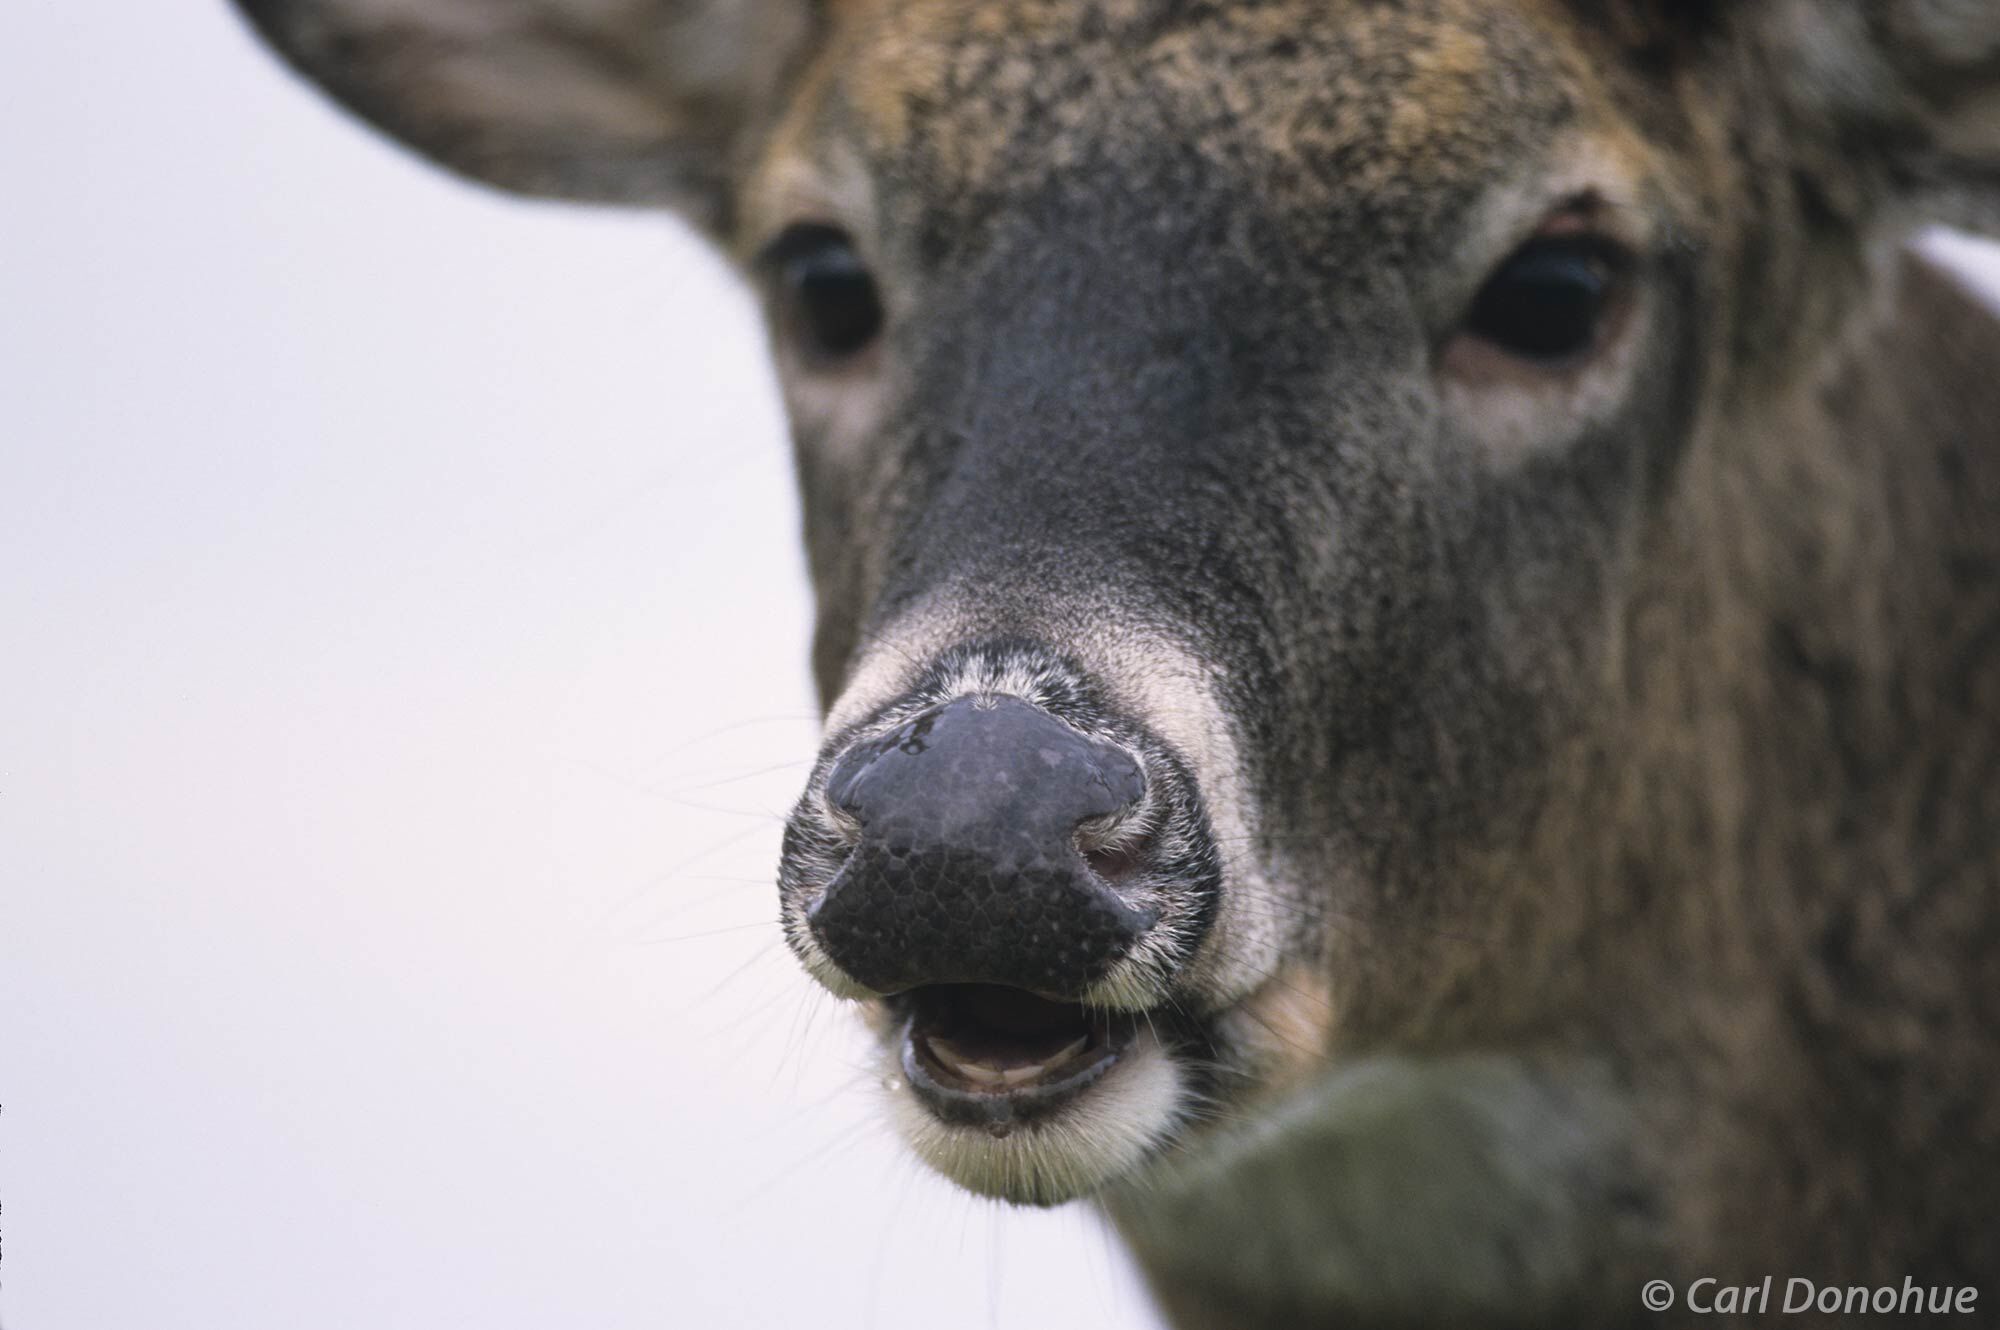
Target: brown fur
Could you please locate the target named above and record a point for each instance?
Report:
(1659, 938)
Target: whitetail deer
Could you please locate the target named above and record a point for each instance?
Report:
(1409, 602)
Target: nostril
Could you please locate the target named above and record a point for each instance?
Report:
(838, 793)
(1114, 863)
(1114, 848)
(843, 826)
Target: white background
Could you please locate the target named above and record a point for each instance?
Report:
(402, 675)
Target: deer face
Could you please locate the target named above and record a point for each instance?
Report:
(1234, 442)
(1222, 448)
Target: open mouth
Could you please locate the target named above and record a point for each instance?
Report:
(985, 1055)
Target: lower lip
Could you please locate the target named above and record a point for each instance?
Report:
(1001, 1109)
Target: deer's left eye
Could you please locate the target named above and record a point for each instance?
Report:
(827, 299)
(1548, 301)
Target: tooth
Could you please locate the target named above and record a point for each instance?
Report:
(946, 1052)
(955, 1059)
(1017, 1075)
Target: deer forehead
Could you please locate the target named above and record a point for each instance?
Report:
(1310, 108)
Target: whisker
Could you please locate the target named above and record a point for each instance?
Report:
(626, 901)
(731, 728)
(751, 1014)
(720, 810)
(734, 975)
(708, 932)
(845, 1139)
(731, 780)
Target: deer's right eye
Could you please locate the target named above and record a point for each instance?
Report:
(1548, 301)
(827, 299)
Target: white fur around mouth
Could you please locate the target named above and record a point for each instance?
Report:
(1096, 1132)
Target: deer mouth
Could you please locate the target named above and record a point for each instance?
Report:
(989, 1056)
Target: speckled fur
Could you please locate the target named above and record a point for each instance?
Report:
(1630, 802)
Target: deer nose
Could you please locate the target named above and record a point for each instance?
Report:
(967, 868)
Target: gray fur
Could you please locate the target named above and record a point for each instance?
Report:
(1607, 799)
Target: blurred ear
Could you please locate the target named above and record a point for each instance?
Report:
(624, 101)
(1895, 103)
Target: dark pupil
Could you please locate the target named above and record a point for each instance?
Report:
(1545, 302)
(836, 298)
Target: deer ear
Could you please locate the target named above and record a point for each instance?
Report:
(623, 101)
(1897, 99)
